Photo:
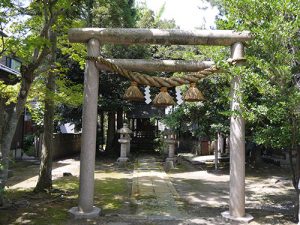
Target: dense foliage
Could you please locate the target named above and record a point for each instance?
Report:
(270, 97)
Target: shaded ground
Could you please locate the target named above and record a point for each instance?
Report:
(201, 195)
(269, 192)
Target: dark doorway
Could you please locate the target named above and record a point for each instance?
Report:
(144, 124)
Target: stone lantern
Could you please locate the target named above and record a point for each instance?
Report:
(170, 141)
(125, 143)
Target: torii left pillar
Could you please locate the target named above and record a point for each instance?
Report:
(86, 208)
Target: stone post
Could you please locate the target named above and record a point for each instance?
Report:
(220, 144)
(218, 149)
(237, 145)
(171, 151)
(171, 147)
(216, 152)
(85, 207)
(124, 142)
(227, 147)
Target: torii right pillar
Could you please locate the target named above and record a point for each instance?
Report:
(237, 145)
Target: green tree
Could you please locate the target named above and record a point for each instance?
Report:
(45, 174)
(32, 48)
(58, 90)
(270, 97)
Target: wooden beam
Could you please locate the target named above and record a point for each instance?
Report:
(157, 36)
(144, 65)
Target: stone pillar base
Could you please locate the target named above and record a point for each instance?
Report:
(245, 219)
(122, 161)
(76, 214)
(169, 164)
(173, 159)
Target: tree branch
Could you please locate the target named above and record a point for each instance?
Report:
(2, 40)
(49, 21)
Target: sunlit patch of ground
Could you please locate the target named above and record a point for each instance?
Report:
(269, 192)
(204, 194)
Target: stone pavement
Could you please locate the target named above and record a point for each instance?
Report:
(153, 191)
(157, 201)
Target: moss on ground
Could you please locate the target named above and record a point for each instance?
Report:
(52, 208)
(145, 197)
(111, 194)
(179, 168)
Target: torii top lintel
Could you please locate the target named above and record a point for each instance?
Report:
(159, 36)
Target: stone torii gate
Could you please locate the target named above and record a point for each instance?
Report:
(96, 36)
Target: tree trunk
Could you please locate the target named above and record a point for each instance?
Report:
(101, 133)
(2, 123)
(10, 128)
(120, 119)
(27, 74)
(111, 129)
(45, 175)
(2, 120)
(296, 171)
(90, 13)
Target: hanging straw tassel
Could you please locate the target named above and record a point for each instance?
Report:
(193, 94)
(133, 93)
(163, 98)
